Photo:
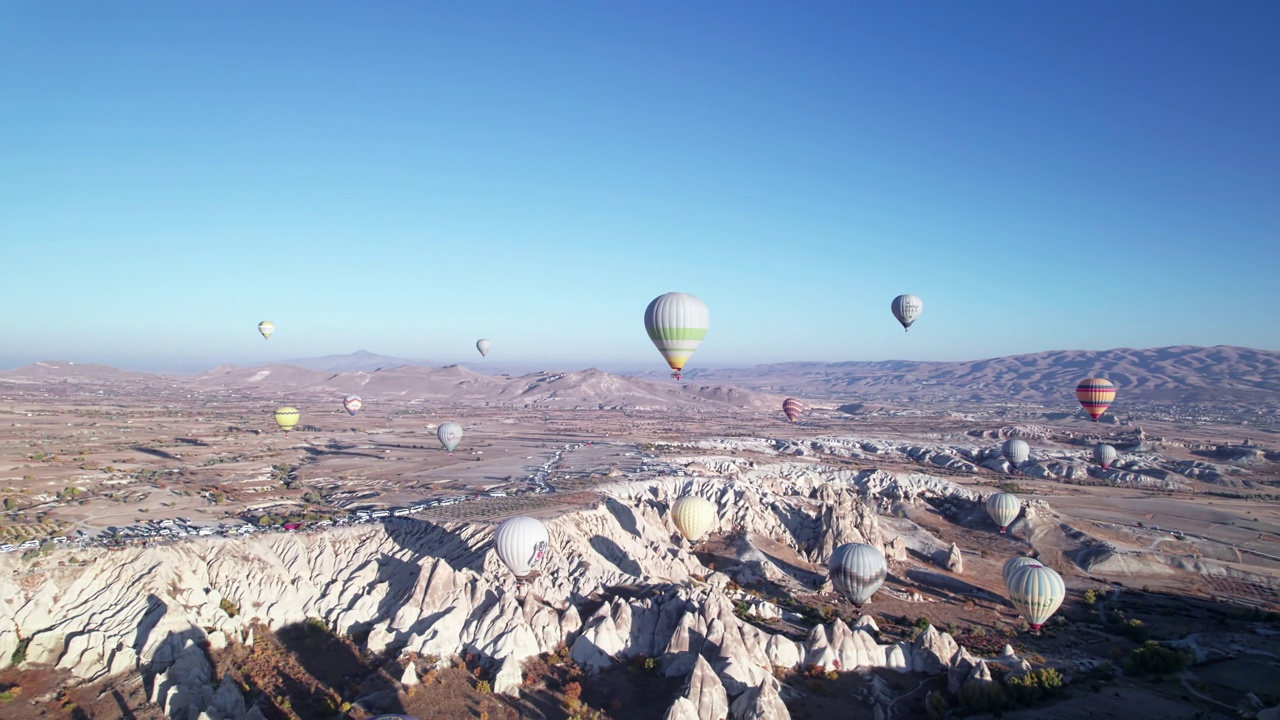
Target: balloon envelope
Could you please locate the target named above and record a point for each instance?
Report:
(1095, 396)
(521, 542)
(287, 417)
(483, 346)
(907, 308)
(449, 433)
(352, 404)
(1014, 563)
(1037, 592)
(857, 571)
(693, 516)
(1104, 455)
(676, 323)
(792, 408)
(1004, 509)
(1015, 451)
(266, 327)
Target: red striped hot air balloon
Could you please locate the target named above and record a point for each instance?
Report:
(792, 408)
(1095, 395)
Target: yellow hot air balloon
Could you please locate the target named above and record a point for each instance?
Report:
(1095, 396)
(693, 516)
(287, 417)
(266, 327)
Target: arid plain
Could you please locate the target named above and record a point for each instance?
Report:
(147, 477)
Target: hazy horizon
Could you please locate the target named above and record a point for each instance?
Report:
(497, 367)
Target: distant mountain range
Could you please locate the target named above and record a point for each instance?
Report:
(1180, 374)
(1172, 374)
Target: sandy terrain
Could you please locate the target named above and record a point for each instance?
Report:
(1183, 535)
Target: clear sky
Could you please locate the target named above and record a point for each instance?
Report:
(406, 177)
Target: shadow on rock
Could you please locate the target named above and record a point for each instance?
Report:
(626, 518)
(946, 583)
(612, 552)
(426, 539)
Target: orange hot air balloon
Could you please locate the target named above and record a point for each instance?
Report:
(1095, 395)
(792, 408)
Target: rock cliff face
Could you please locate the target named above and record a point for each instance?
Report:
(438, 589)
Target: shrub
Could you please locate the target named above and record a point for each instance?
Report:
(1030, 688)
(573, 691)
(483, 687)
(19, 655)
(1154, 659)
(936, 706)
(229, 607)
(987, 697)
(1090, 596)
(922, 623)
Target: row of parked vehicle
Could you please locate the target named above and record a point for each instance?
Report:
(30, 544)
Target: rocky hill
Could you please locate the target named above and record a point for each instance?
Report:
(1173, 374)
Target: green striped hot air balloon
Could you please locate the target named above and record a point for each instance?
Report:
(1037, 592)
(676, 323)
(1016, 563)
(1004, 509)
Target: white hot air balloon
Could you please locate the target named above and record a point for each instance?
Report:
(907, 308)
(1104, 455)
(1015, 563)
(676, 323)
(857, 571)
(1037, 592)
(1016, 451)
(521, 543)
(693, 516)
(449, 433)
(1004, 509)
(483, 346)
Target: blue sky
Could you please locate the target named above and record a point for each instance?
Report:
(406, 177)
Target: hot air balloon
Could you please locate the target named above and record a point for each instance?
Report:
(352, 404)
(857, 571)
(1015, 563)
(1104, 455)
(521, 543)
(676, 323)
(1004, 509)
(266, 327)
(907, 309)
(1095, 395)
(792, 408)
(287, 417)
(693, 516)
(483, 346)
(1037, 592)
(449, 433)
(1015, 451)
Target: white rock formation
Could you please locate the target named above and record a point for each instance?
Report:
(437, 589)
